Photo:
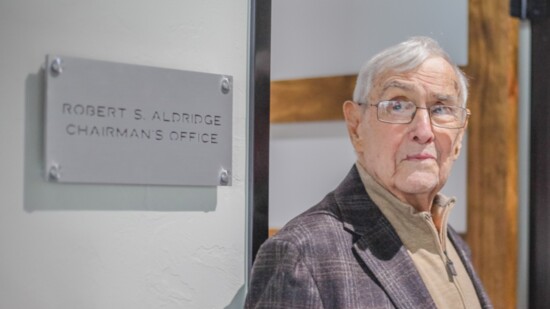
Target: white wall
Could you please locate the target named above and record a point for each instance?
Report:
(313, 38)
(85, 246)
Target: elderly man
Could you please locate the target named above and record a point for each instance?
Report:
(381, 239)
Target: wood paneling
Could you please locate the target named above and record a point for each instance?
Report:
(492, 148)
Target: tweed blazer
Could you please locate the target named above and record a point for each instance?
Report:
(343, 253)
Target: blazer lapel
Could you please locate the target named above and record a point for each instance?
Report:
(379, 246)
(384, 254)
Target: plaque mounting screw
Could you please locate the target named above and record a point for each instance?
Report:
(226, 85)
(56, 66)
(224, 177)
(54, 172)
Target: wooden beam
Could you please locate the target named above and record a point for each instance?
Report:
(311, 99)
(492, 148)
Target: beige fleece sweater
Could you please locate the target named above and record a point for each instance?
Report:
(431, 250)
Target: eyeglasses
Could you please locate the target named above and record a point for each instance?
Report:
(403, 112)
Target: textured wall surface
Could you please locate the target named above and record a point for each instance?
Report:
(84, 246)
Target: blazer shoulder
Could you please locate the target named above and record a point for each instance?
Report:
(318, 220)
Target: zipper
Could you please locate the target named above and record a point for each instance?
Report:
(442, 245)
(450, 266)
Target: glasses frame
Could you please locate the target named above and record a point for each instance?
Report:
(468, 114)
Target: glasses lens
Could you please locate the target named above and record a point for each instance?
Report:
(448, 116)
(444, 116)
(396, 111)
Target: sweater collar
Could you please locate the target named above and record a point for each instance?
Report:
(404, 217)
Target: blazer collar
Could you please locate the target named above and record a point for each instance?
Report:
(379, 247)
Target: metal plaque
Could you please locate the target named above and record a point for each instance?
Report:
(116, 123)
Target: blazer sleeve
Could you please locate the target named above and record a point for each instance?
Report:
(281, 279)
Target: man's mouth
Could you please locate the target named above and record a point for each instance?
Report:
(420, 157)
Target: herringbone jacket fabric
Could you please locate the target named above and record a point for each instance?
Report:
(343, 253)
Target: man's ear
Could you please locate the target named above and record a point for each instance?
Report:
(353, 115)
(458, 145)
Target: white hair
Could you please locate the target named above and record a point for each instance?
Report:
(401, 58)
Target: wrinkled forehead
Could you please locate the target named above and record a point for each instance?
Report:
(444, 92)
(435, 78)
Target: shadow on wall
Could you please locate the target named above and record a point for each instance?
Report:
(40, 194)
(238, 301)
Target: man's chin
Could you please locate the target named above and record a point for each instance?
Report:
(418, 183)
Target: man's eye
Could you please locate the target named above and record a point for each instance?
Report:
(396, 106)
(442, 110)
(400, 106)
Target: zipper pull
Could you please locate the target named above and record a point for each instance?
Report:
(450, 266)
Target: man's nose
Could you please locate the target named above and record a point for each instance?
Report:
(421, 126)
